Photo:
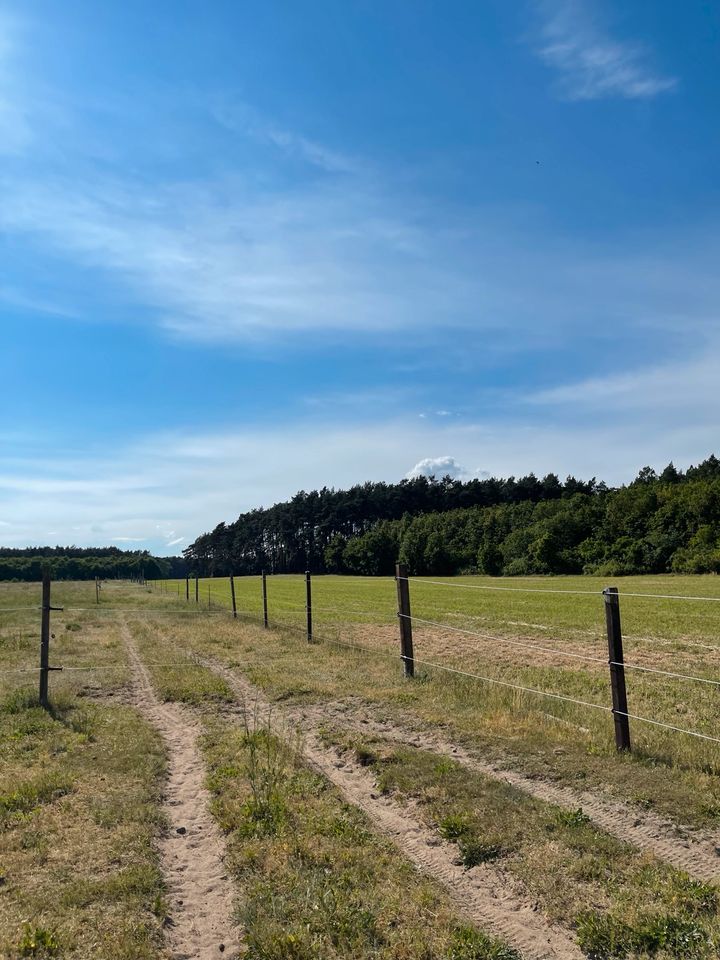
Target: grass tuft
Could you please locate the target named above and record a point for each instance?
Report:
(470, 944)
(608, 938)
(473, 852)
(39, 943)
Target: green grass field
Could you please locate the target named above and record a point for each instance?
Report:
(551, 638)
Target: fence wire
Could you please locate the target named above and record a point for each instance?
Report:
(198, 609)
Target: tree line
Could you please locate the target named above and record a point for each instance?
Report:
(85, 563)
(658, 523)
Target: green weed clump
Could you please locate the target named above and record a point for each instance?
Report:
(610, 938)
(38, 943)
(470, 944)
(573, 818)
(43, 788)
(473, 852)
(454, 826)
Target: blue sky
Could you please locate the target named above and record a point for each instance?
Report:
(252, 247)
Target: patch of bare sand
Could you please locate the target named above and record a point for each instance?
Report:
(200, 893)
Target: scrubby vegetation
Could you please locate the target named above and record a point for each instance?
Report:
(659, 523)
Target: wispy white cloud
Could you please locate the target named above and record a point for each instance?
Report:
(219, 261)
(215, 262)
(175, 542)
(15, 127)
(661, 394)
(227, 259)
(29, 303)
(240, 117)
(591, 63)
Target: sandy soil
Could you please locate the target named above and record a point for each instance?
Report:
(486, 895)
(696, 852)
(200, 893)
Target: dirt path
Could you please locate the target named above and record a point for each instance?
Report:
(486, 894)
(695, 852)
(200, 894)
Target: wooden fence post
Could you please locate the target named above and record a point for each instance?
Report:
(187, 588)
(45, 640)
(617, 668)
(405, 619)
(232, 595)
(97, 591)
(197, 589)
(209, 603)
(265, 600)
(45, 667)
(308, 605)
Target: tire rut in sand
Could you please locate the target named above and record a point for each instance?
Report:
(200, 894)
(485, 894)
(695, 852)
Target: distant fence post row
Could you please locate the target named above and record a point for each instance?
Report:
(611, 597)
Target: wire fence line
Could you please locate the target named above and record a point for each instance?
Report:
(552, 590)
(562, 653)
(505, 640)
(482, 586)
(559, 696)
(612, 662)
(124, 610)
(174, 665)
(615, 661)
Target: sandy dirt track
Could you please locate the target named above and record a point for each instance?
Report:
(485, 895)
(200, 893)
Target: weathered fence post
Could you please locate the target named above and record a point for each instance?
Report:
(232, 595)
(264, 599)
(97, 591)
(308, 605)
(45, 640)
(187, 589)
(617, 668)
(405, 619)
(197, 589)
(45, 667)
(209, 603)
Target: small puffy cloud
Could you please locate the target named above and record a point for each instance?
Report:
(438, 467)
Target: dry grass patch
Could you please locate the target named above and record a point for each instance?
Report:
(502, 726)
(80, 792)
(622, 903)
(315, 880)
